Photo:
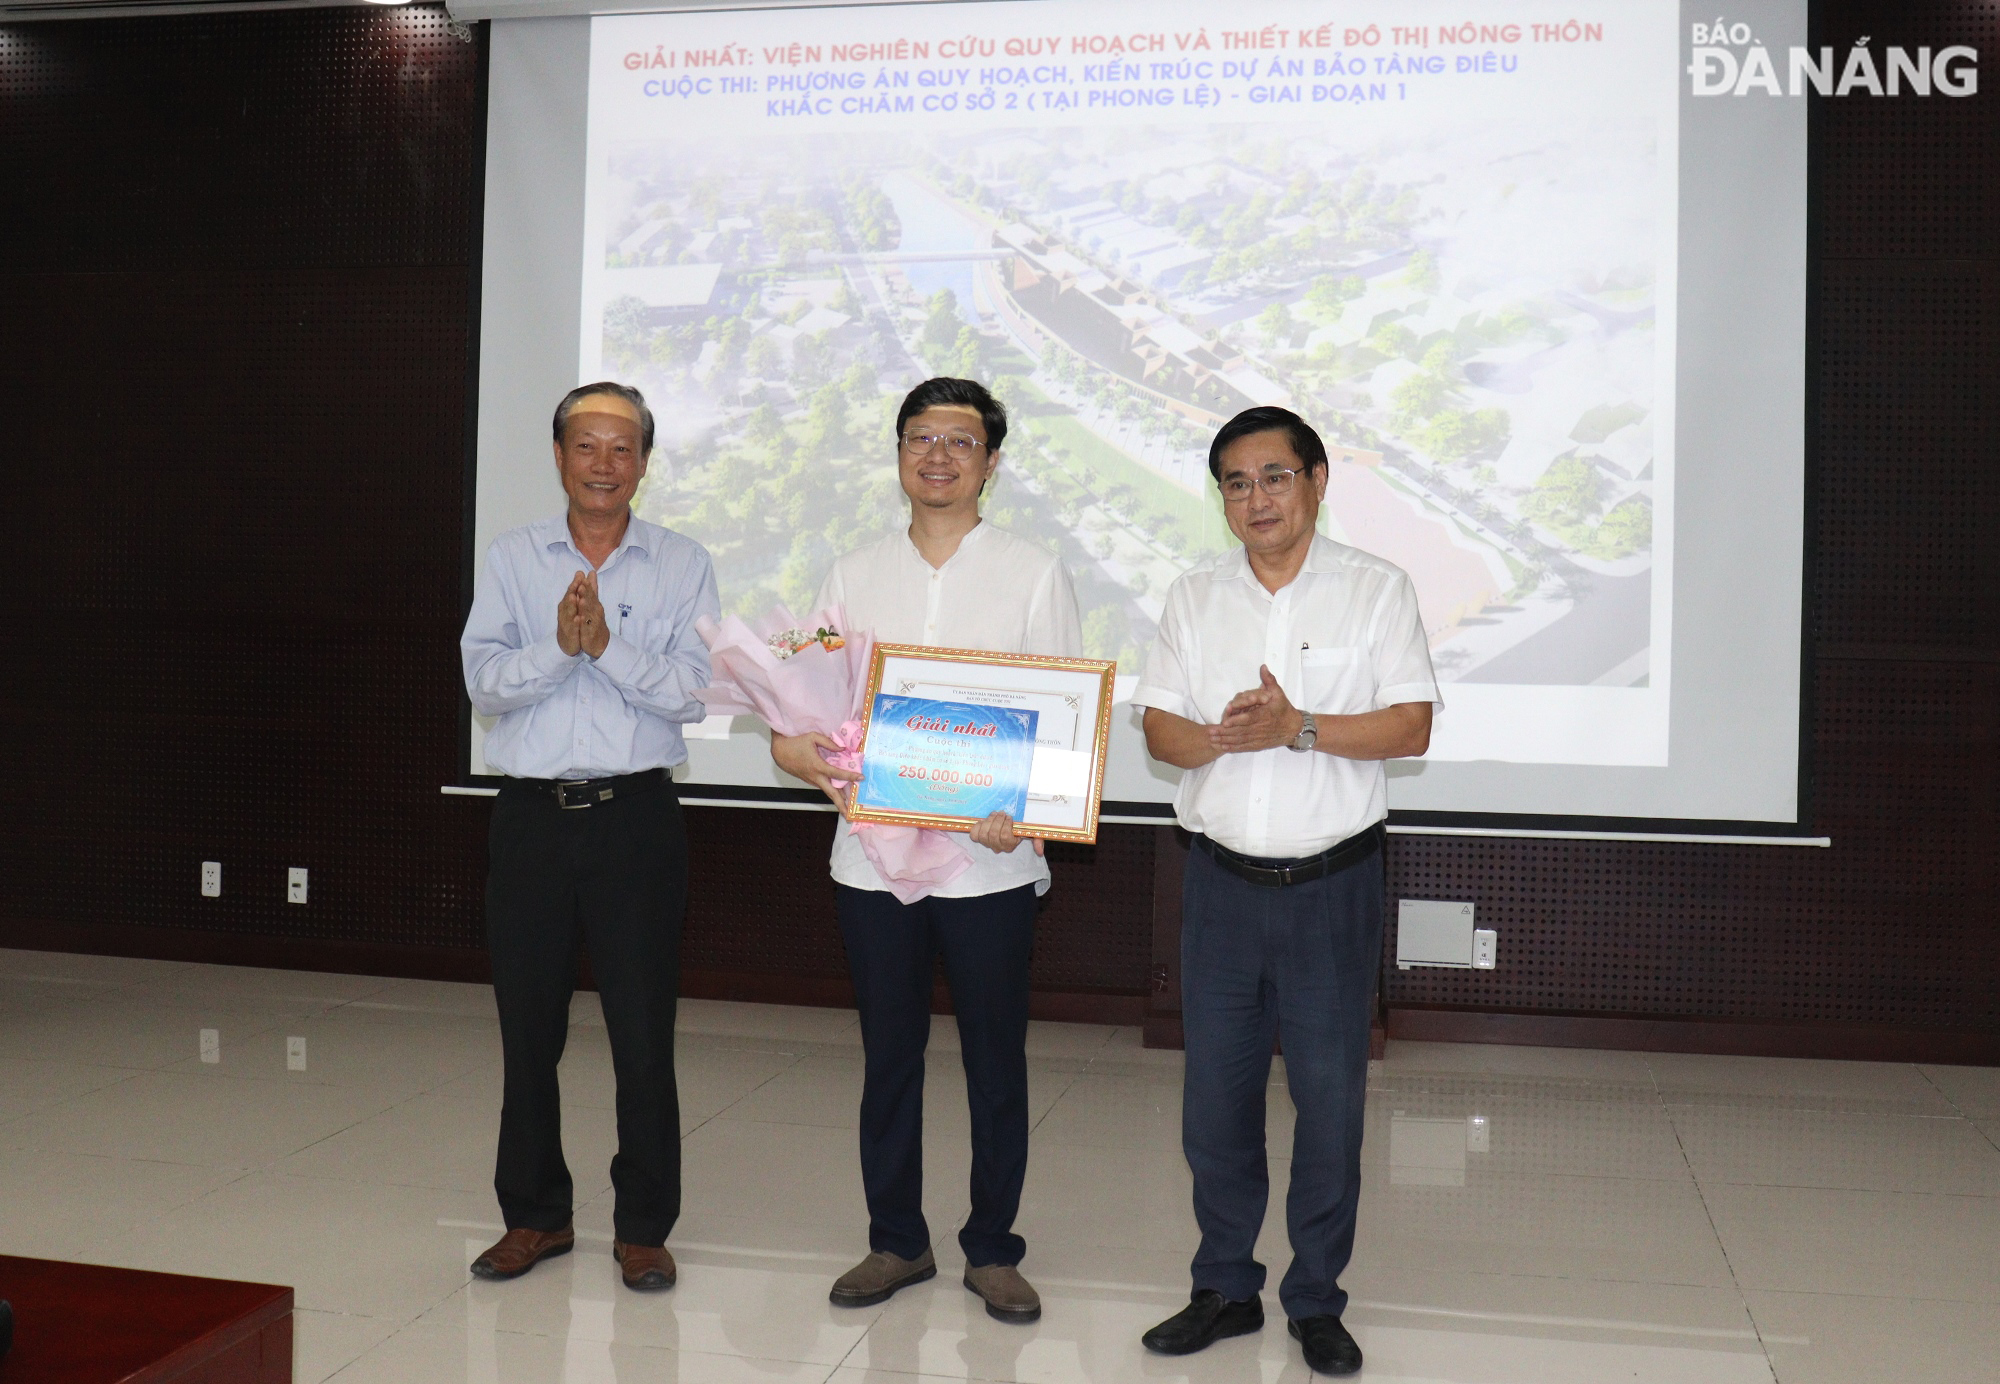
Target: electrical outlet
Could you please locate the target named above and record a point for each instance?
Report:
(211, 879)
(295, 884)
(211, 1045)
(295, 1054)
(1478, 1134)
(1485, 948)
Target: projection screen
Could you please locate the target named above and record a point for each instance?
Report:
(1547, 309)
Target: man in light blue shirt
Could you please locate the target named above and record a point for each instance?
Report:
(581, 642)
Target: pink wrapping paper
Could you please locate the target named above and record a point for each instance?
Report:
(820, 689)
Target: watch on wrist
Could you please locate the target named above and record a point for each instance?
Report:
(1308, 734)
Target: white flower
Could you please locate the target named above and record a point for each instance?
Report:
(785, 643)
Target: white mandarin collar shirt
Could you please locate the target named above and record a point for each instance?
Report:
(570, 715)
(998, 593)
(1343, 638)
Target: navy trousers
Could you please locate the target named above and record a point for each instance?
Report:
(1257, 963)
(612, 877)
(892, 951)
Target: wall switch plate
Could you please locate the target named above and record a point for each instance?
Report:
(211, 879)
(295, 884)
(295, 1054)
(211, 1045)
(1485, 948)
(1478, 1134)
(1433, 932)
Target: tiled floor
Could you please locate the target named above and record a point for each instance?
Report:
(1528, 1214)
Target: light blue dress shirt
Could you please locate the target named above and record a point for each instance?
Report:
(571, 716)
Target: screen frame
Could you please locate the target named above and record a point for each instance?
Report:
(1801, 828)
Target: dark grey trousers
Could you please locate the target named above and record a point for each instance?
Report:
(1257, 963)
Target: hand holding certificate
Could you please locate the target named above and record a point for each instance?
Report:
(950, 736)
(804, 682)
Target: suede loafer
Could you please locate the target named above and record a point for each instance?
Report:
(878, 1278)
(1208, 1318)
(646, 1268)
(520, 1250)
(1328, 1347)
(1008, 1296)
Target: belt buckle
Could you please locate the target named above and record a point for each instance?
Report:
(562, 797)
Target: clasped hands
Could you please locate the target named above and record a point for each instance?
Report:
(799, 756)
(1262, 718)
(580, 618)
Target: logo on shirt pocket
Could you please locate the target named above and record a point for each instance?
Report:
(1338, 681)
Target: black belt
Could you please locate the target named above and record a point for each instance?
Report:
(571, 794)
(1276, 874)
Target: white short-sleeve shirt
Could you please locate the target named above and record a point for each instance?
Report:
(1343, 638)
(998, 593)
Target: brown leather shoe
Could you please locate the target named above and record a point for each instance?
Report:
(1009, 1297)
(876, 1278)
(648, 1268)
(520, 1250)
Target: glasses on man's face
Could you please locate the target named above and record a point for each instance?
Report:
(959, 445)
(1277, 482)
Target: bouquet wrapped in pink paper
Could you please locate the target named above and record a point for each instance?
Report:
(799, 676)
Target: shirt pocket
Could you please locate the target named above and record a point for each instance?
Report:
(1338, 681)
(649, 635)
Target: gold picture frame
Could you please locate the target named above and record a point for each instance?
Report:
(1073, 697)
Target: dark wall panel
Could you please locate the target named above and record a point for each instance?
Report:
(235, 257)
(1908, 177)
(325, 137)
(1909, 379)
(236, 253)
(761, 903)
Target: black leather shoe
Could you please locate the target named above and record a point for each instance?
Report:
(1203, 1322)
(1329, 1349)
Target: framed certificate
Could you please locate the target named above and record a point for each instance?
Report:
(950, 736)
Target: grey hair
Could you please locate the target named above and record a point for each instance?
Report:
(612, 387)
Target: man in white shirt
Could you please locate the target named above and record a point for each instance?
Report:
(1284, 674)
(951, 581)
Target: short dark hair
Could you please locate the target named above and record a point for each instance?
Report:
(962, 394)
(612, 387)
(1306, 444)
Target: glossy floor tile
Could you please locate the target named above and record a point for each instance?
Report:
(1882, 1088)
(1804, 1148)
(28, 1084)
(1625, 1229)
(1864, 1244)
(1526, 1214)
(1973, 1091)
(1826, 1339)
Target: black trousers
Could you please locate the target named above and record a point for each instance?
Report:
(892, 949)
(613, 877)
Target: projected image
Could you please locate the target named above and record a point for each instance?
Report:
(1468, 323)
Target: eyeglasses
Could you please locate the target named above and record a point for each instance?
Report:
(958, 444)
(1277, 482)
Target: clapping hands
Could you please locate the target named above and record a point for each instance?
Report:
(1260, 719)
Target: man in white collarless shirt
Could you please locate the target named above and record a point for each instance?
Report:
(953, 581)
(1284, 674)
